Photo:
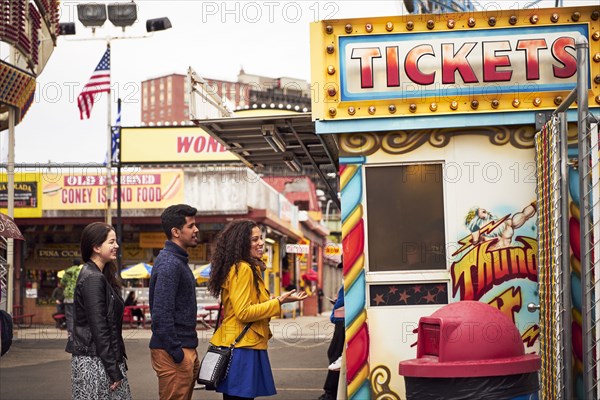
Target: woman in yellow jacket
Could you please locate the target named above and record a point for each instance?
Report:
(236, 276)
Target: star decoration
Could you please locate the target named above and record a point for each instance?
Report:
(393, 289)
(404, 296)
(430, 297)
(378, 299)
(417, 288)
(441, 288)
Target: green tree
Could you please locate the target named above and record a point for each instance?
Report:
(69, 280)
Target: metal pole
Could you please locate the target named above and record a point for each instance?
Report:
(108, 151)
(584, 211)
(10, 174)
(119, 219)
(10, 243)
(565, 260)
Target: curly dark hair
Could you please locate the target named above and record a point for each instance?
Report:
(232, 245)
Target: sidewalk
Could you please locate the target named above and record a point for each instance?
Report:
(288, 330)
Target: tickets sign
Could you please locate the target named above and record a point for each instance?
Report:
(139, 190)
(490, 61)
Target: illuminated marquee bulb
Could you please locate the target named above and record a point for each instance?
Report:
(351, 110)
(454, 105)
(369, 28)
(330, 49)
(332, 112)
(516, 103)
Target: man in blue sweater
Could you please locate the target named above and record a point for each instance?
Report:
(173, 307)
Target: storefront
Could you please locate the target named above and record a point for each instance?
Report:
(71, 200)
(436, 117)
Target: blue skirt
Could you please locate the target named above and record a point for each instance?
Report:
(249, 375)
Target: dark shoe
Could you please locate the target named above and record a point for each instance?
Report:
(326, 396)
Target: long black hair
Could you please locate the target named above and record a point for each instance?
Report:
(92, 236)
(232, 246)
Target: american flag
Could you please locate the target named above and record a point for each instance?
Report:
(116, 135)
(99, 83)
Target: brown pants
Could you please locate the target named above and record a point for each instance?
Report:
(175, 381)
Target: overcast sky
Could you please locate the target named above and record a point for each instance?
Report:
(215, 38)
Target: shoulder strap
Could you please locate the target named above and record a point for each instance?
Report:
(240, 336)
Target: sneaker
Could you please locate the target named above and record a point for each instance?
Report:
(336, 365)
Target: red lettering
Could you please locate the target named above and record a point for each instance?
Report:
(412, 64)
(452, 62)
(213, 145)
(491, 61)
(199, 144)
(76, 196)
(393, 71)
(532, 48)
(567, 60)
(366, 57)
(148, 194)
(184, 143)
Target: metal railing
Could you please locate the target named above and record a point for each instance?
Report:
(570, 321)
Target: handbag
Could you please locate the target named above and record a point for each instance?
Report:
(215, 364)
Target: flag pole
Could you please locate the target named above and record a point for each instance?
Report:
(119, 216)
(109, 152)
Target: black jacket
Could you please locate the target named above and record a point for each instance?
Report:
(97, 320)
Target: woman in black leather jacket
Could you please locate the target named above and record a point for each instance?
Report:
(98, 362)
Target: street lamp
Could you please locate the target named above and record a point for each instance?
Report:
(122, 15)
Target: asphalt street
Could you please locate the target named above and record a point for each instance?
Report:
(37, 367)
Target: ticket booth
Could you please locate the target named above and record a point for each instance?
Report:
(435, 116)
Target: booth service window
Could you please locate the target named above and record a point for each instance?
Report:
(405, 206)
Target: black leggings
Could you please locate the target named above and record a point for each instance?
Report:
(228, 397)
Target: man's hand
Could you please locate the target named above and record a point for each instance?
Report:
(291, 296)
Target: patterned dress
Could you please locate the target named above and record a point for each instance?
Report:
(90, 382)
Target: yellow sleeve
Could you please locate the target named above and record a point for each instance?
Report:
(242, 293)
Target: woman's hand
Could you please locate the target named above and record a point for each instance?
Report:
(291, 296)
(115, 385)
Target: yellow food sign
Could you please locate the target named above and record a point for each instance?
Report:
(139, 189)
